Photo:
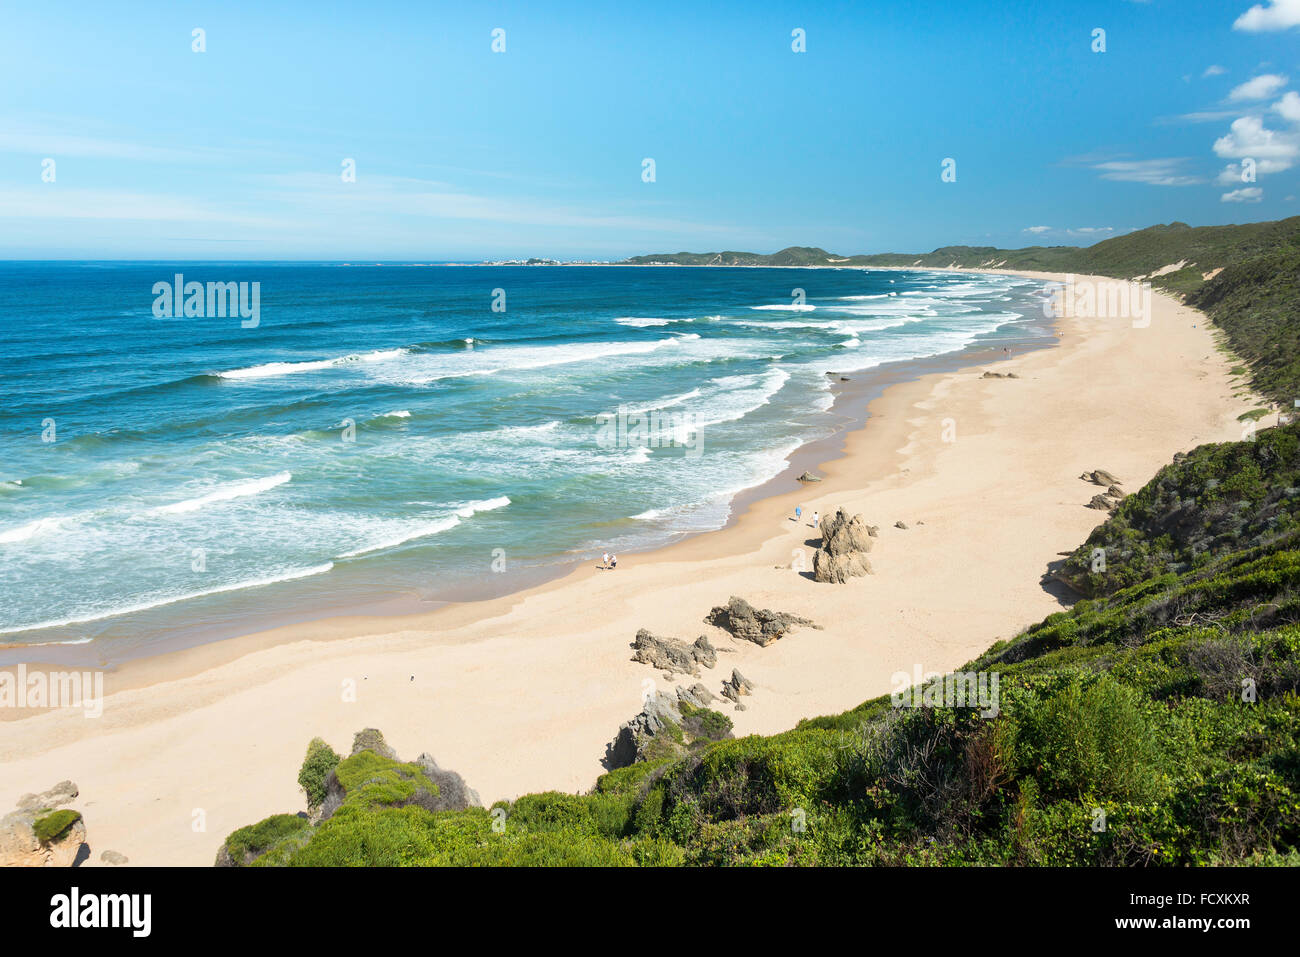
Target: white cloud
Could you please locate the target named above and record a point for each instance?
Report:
(1155, 172)
(1289, 106)
(1250, 194)
(1036, 229)
(1258, 88)
(1276, 15)
(1213, 70)
(1248, 137)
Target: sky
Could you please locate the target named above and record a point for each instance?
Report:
(120, 140)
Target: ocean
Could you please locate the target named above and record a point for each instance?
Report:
(419, 432)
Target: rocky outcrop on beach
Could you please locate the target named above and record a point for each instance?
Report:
(808, 477)
(672, 655)
(735, 687)
(1100, 477)
(633, 741)
(759, 625)
(843, 553)
(1108, 499)
(40, 833)
(1000, 375)
(667, 728)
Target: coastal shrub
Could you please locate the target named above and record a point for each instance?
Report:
(248, 843)
(1087, 739)
(53, 826)
(370, 780)
(321, 759)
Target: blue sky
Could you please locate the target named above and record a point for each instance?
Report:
(464, 153)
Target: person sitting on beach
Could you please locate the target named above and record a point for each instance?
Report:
(613, 562)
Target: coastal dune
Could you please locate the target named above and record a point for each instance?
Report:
(522, 693)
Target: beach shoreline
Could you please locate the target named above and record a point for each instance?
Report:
(852, 396)
(520, 692)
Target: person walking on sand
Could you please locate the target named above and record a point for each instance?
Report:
(816, 519)
(798, 512)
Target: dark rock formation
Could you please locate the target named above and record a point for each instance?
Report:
(672, 655)
(634, 738)
(735, 687)
(453, 793)
(759, 625)
(370, 739)
(808, 477)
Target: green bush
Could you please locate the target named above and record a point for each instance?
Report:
(321, 759)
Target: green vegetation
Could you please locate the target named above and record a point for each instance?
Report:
(53, 826)
(279, 834)
(321, 759)
(1256, 303)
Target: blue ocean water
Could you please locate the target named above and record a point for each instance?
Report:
(382, 430)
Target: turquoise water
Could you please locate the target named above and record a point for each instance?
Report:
(383, 431)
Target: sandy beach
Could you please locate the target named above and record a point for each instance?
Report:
(522, 693)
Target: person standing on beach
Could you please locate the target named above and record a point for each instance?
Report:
(613, 562)
(816, 518)
(798, 512)
(604, 560)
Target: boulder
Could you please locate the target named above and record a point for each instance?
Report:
(370, 739)
(845, 542)
(901, 524)
(735, 687)
(453, 793)
(808, 477)
(1100, 477)
(113, 858)
(634, 737)
(40, 834)
(838, 569)
(671, 655)
(697, 696)
(759, 625)
(1101, 502)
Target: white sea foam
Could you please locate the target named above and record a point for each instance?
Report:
(469, 509)
(639, 322)
(23, 532)
(425, 529)
(788, 307)
(225, 493)
(417, 531)
(271, 369)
